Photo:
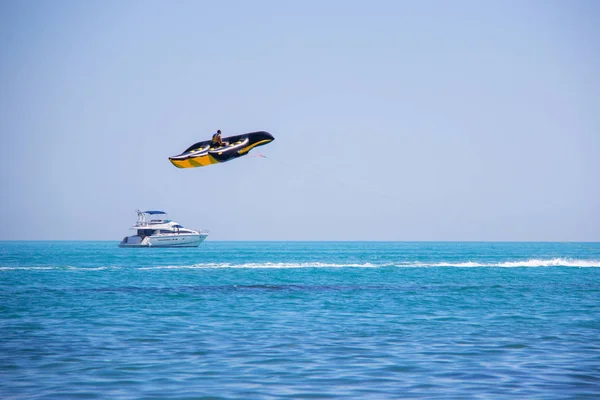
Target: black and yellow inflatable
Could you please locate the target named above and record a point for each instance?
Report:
(205, 153)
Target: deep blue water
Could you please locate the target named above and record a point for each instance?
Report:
(273, 320)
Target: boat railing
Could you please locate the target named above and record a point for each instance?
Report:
(161, 232)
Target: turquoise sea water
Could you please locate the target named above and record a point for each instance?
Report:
(274, 320)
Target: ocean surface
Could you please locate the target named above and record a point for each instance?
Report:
(300, 320)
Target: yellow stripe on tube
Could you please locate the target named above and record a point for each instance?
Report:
(248, 148)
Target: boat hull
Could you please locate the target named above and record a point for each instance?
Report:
(164, 241)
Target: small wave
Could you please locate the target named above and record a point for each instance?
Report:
(63, 267)
(554, 262)
(91, 268)
(26, 268)
(265, 265)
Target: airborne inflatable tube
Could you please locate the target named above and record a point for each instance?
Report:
(205, 153)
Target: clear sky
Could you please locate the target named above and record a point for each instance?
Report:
(393, 120)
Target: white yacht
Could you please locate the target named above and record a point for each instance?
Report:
(154, 230)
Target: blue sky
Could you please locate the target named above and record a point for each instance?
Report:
(394, 120)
